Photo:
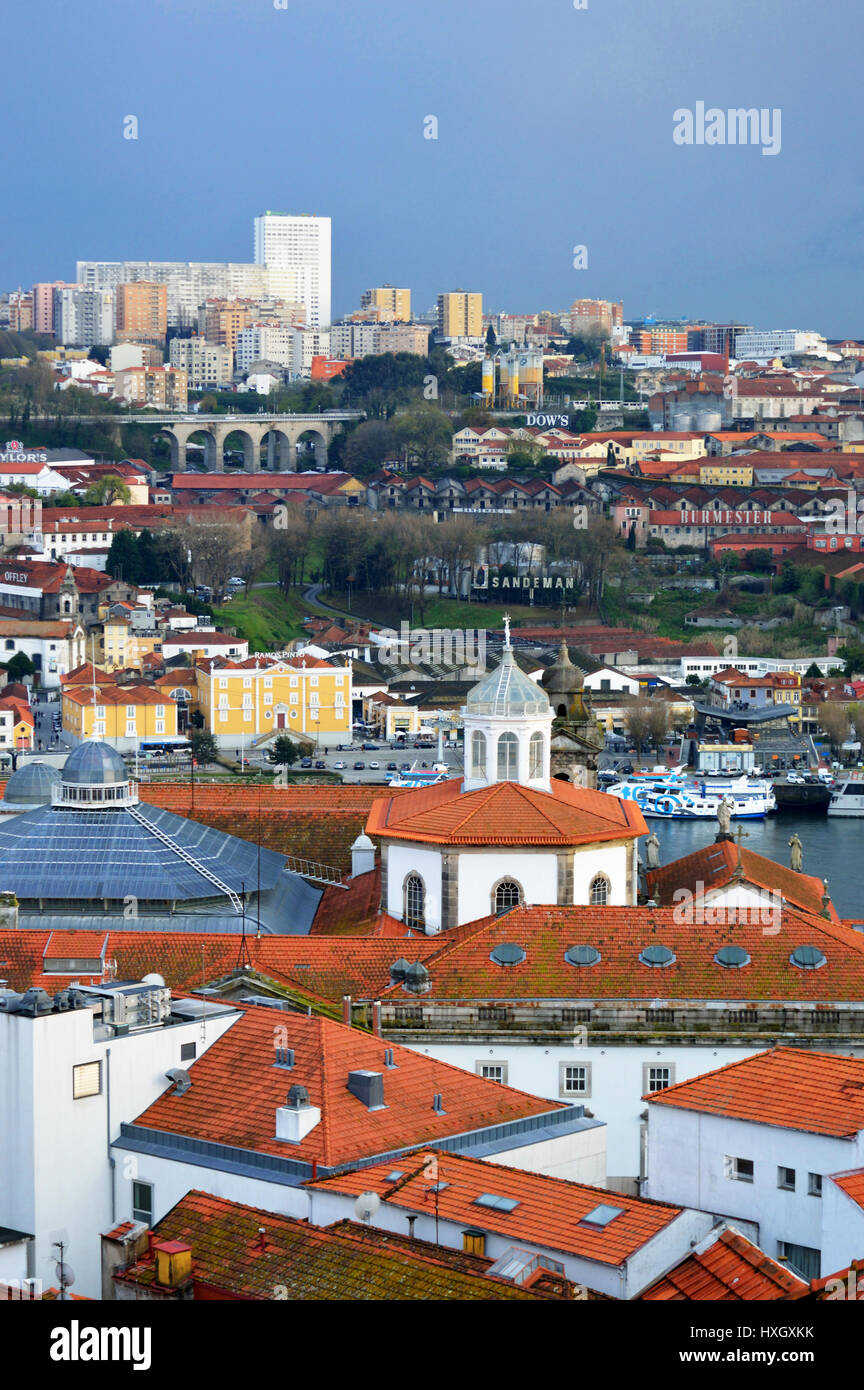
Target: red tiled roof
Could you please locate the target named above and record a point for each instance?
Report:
(236, 1090)
(351, 910)
(727, 1268)
(505, 813)
(816, 1092)
(715, 866)
(551, 1212)
(244, 1252)
(852, 1183)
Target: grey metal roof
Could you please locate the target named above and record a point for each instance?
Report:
(94, 763)
(86, 855)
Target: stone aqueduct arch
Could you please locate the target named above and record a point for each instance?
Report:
(282, 450)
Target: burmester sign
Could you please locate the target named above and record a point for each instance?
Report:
(16, 453)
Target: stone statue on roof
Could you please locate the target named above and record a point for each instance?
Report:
(724, 814)
(652, 851)
(796, 854)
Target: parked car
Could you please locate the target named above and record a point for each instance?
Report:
(358, 767)
(369, 747)
(306, 762)
(392, 767)
(404, 767)
(339, 766)
(320, 763)
(795, 779)
(375, 764)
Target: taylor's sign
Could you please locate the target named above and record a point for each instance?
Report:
(16, 453)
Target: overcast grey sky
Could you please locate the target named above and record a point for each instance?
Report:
(554, 130)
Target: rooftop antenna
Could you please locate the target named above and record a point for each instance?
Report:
(244, 958)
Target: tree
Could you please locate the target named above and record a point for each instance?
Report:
(20, 666)
(426, 435)
(855, 713)
(789, 580)
(813, 671)
(693, 680)
(834, 723)
(107, 490)
(658, 721)
(367, 446)
(284, 751)
(637, 723)
(204, 749)
(491, 340)
(852, 656)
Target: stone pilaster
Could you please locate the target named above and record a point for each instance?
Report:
(449, 889)
(565, 877)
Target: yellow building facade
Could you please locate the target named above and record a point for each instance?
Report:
(725, 473)
(244, 702)
(460, 315)
(122, 716)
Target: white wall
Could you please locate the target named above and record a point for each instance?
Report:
(578, 1157)
(610, 860)
(172, 1179)
(842, 1229)
(686, 1164)
(478, 873)
(406, 859)
(55, 1178)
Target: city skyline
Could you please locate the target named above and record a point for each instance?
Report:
(711, 232)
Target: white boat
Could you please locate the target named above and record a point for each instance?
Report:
(847, 798)
(676, 800)
(420, 776)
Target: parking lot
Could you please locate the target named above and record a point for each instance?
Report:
(380, 763)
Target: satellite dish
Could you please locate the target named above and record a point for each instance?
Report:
(366, 1206)
(65, 1275)
(153, 980)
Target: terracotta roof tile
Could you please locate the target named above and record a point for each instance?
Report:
(715, 867)
(294, 1260)
(236, 1090)
(816, 1092)
(728, 1268)
(550, 1213)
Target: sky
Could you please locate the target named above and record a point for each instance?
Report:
(554, 130)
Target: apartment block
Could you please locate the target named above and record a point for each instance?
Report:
(83, 317)
(599, 313)
(395, 305)
(166, 387)
(460, 315)
(298, 248)
(207, 365)
(141, 312)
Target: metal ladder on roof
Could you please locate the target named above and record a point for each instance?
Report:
(187, 858)
(501, 693)
(320, 873)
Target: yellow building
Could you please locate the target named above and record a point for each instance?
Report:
(247, 701)
(460, 315)
(123, 648)
(391, 717)
(121, 715)
(395, 305)
(676, 444)
(725, 473)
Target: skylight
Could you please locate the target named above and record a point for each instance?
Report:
(397, 1173)
(657, 956)
(807, 957)
(496, 1203)
(582, 955)
(507, 953)
(732, 957)
(601, 1216)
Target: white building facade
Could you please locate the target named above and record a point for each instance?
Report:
(298, 248)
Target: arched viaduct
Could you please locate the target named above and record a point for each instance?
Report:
(282, 433)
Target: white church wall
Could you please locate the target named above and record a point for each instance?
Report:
(610, 860)
(536, 873)
(403, 860)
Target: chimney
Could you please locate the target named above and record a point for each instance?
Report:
(173, 1263)
(367, 1086)
(438, 1104)
(362, 856)
(296, 1118)
(346, 1009)
(376, 1018)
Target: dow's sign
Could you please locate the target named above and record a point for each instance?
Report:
(548, 422)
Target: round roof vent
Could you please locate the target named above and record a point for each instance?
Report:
(732, 957)
(399, 969)
(657, 956)
(34, 784)
(507, 953)
(807, 958)
(416, 979)
(582, 955)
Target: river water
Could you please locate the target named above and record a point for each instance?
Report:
(833, 848)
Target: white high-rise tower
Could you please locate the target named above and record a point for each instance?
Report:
(298, 248)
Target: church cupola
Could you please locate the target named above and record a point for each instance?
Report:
(507, 720)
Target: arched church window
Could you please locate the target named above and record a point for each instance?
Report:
(508, 758)
(478, 752)
(507, 894)
(415, 901)
(535, 756)
(599, 893)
